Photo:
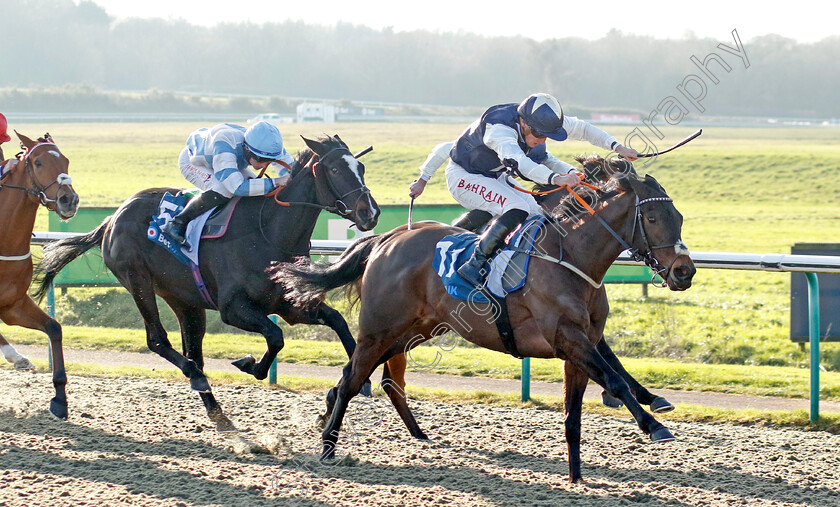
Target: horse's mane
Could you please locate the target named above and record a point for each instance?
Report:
(606, 174)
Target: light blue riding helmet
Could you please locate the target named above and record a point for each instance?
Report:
(265, 141)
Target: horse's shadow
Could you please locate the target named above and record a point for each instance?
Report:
(749, 487)
(140, 466)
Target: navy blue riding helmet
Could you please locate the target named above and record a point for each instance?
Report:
(544, 115)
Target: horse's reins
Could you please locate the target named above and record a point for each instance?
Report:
(647, 257)
(363, 189)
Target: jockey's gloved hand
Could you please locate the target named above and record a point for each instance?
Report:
(570, 179)
(281, 181)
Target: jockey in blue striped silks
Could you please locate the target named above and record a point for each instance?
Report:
(218, 161)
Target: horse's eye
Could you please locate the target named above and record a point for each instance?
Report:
(37, 164)
(334, 169)
(651, 219)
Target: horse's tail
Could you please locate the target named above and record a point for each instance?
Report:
(60, 253)
(309, 282)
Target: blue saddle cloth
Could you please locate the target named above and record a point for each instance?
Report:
(171, 205)
(508, 269)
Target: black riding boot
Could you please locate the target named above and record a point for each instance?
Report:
(475, 270)
(473, 220)
(177, 227)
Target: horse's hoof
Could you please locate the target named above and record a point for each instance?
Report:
(245, 364)
(660, 405)
(421, 436)
(663, 434)
(328, 454)
(200, 384)
(58, 409)
(611, 401)
(24, 364)
(225, 425)
(366, 390)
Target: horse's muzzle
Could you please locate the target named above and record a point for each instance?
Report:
(681, 273)
(67, 202)
(366, 215)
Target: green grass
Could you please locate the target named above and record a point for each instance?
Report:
(739, 189)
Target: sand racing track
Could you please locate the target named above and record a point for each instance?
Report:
(132, 441)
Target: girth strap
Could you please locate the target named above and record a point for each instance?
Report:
(503, 323)
(202, 287)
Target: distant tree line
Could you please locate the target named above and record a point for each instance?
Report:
(50, 43)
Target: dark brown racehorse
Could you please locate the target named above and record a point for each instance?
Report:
(558, 314)
(38, 176)
(326, 175)
(596, 170)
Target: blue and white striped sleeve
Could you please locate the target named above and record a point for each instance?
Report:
(226, 170)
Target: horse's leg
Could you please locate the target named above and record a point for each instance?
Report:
(393, 383)
(574, 383)
(193, 322)
(241, 312)
(330, 317)
(365, 359)
(657, 404)
(13, 356)
(580, 351)
(27, 314)
(156, 339)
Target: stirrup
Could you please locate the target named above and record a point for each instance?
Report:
(173, 231)
(471, 271)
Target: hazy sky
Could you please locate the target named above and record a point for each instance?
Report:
(536, 19)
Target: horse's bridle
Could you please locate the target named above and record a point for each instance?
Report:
(645, 256)
(339, 208)
(39, 191)
(363, 190)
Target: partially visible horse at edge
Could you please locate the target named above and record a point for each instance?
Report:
(325, 175)
(558, 314)
(36, 177)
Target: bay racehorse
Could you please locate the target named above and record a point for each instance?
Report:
(325, 175)
(560, 312)
(596, 170)
(36, 177)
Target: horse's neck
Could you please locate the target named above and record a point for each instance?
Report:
(591, 247)
(292, 231)
(18, 213)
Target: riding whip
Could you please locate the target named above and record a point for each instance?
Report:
(410, 210)
(674, 147)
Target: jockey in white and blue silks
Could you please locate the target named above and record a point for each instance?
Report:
(475, 175)
(218, 160)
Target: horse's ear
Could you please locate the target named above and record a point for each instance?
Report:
(339, 140)
(25, 142)
(315, 146)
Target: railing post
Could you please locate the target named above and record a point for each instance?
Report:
(814, 340)
(526, 378)
(272, 370)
